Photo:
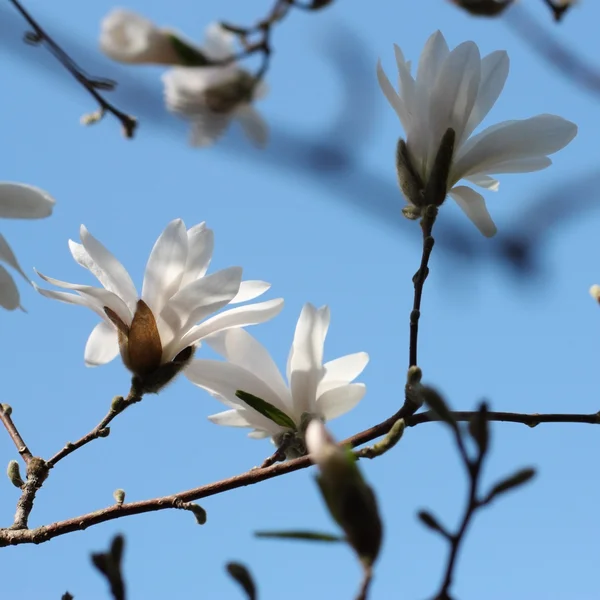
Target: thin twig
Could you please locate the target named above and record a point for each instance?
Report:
(119, 404)
(92, 85)
(419, 281)
(365, 584)
(47, 532)
(14, 434)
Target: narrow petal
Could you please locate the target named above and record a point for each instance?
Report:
(484, 181)
(229, 418)
(204, 296)
(201, 241)
(9, 293)
(207, 128)
(347, 368)
(253, 124)
(339, 401)
(115, 272)
(21, 201)
(249, 290)
(511, 140)
(242, 316)
(242, 349)
(494, 71)
(8, 256)
(97, 298)
(454, 93)
(259, 435)
(306, 364)
(165, 267)
(218, 42)
(102, 345)
(473, 204)
(406, 83)
(522, 165)
(224, 379)
(392, 97)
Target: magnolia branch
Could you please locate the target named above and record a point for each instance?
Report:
(14, 434)
(91, 84)
(47, 532)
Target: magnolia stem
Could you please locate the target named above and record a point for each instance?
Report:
(47, 532)
(15, 436)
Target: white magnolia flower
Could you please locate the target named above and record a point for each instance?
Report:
(456, 89)
(313, 389)
(211, 97)
(18, 201)
(128, 37)
(170, 316)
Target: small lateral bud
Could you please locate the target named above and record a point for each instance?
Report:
(414, 375)
(119, 496)
(484, 8)
(14, 474)
(199, 513)
(117, 403)
(104, 432)
(92, 118)
(6, 409)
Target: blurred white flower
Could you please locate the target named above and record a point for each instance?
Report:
(456, 89)
(128, 37)
(595, 292)
(18, 201)
(154, 329)
(322, 448)
(314, 389)
(211, 97)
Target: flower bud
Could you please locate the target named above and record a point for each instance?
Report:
(119, 496)
(349, 499)
(14, 474)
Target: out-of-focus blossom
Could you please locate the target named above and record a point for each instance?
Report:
(211, 97)
(18, 201)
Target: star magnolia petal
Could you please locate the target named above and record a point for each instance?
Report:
(128, 37)
(456, 89)
(315, 388)
(18, 201)
(155, 328)
(211, 97)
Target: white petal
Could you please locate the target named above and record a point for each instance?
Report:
(306, 363)
(224, 379)
(241, 316)
(201, 241)
(207, 128)
(406, 83)
(8, 256)
(494, 71)
(9, 293)
(21, 201)
(102, 345)
(96, 298)
(114, 271)
(229, 418)
(165, 266)
(454, 94)
(346, 368)
(218, 42)
(534, 137)
(66, 297)
(484, 181)
(243, 350)
(392, 97)
(339, 401)
(258, 435)
(253, 124)
(204, 296)
(249, 290)
(473, 204)
(522, 165)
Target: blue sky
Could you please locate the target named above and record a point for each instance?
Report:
(523, 343)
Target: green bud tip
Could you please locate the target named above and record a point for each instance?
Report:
(7, 409)
(119, 496)
(14, 474)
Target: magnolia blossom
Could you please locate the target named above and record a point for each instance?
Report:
(170, 316)
(456, 90)
(595, 292)
(211, 97)
(18, 201)
(128, 37)
(313, 389)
